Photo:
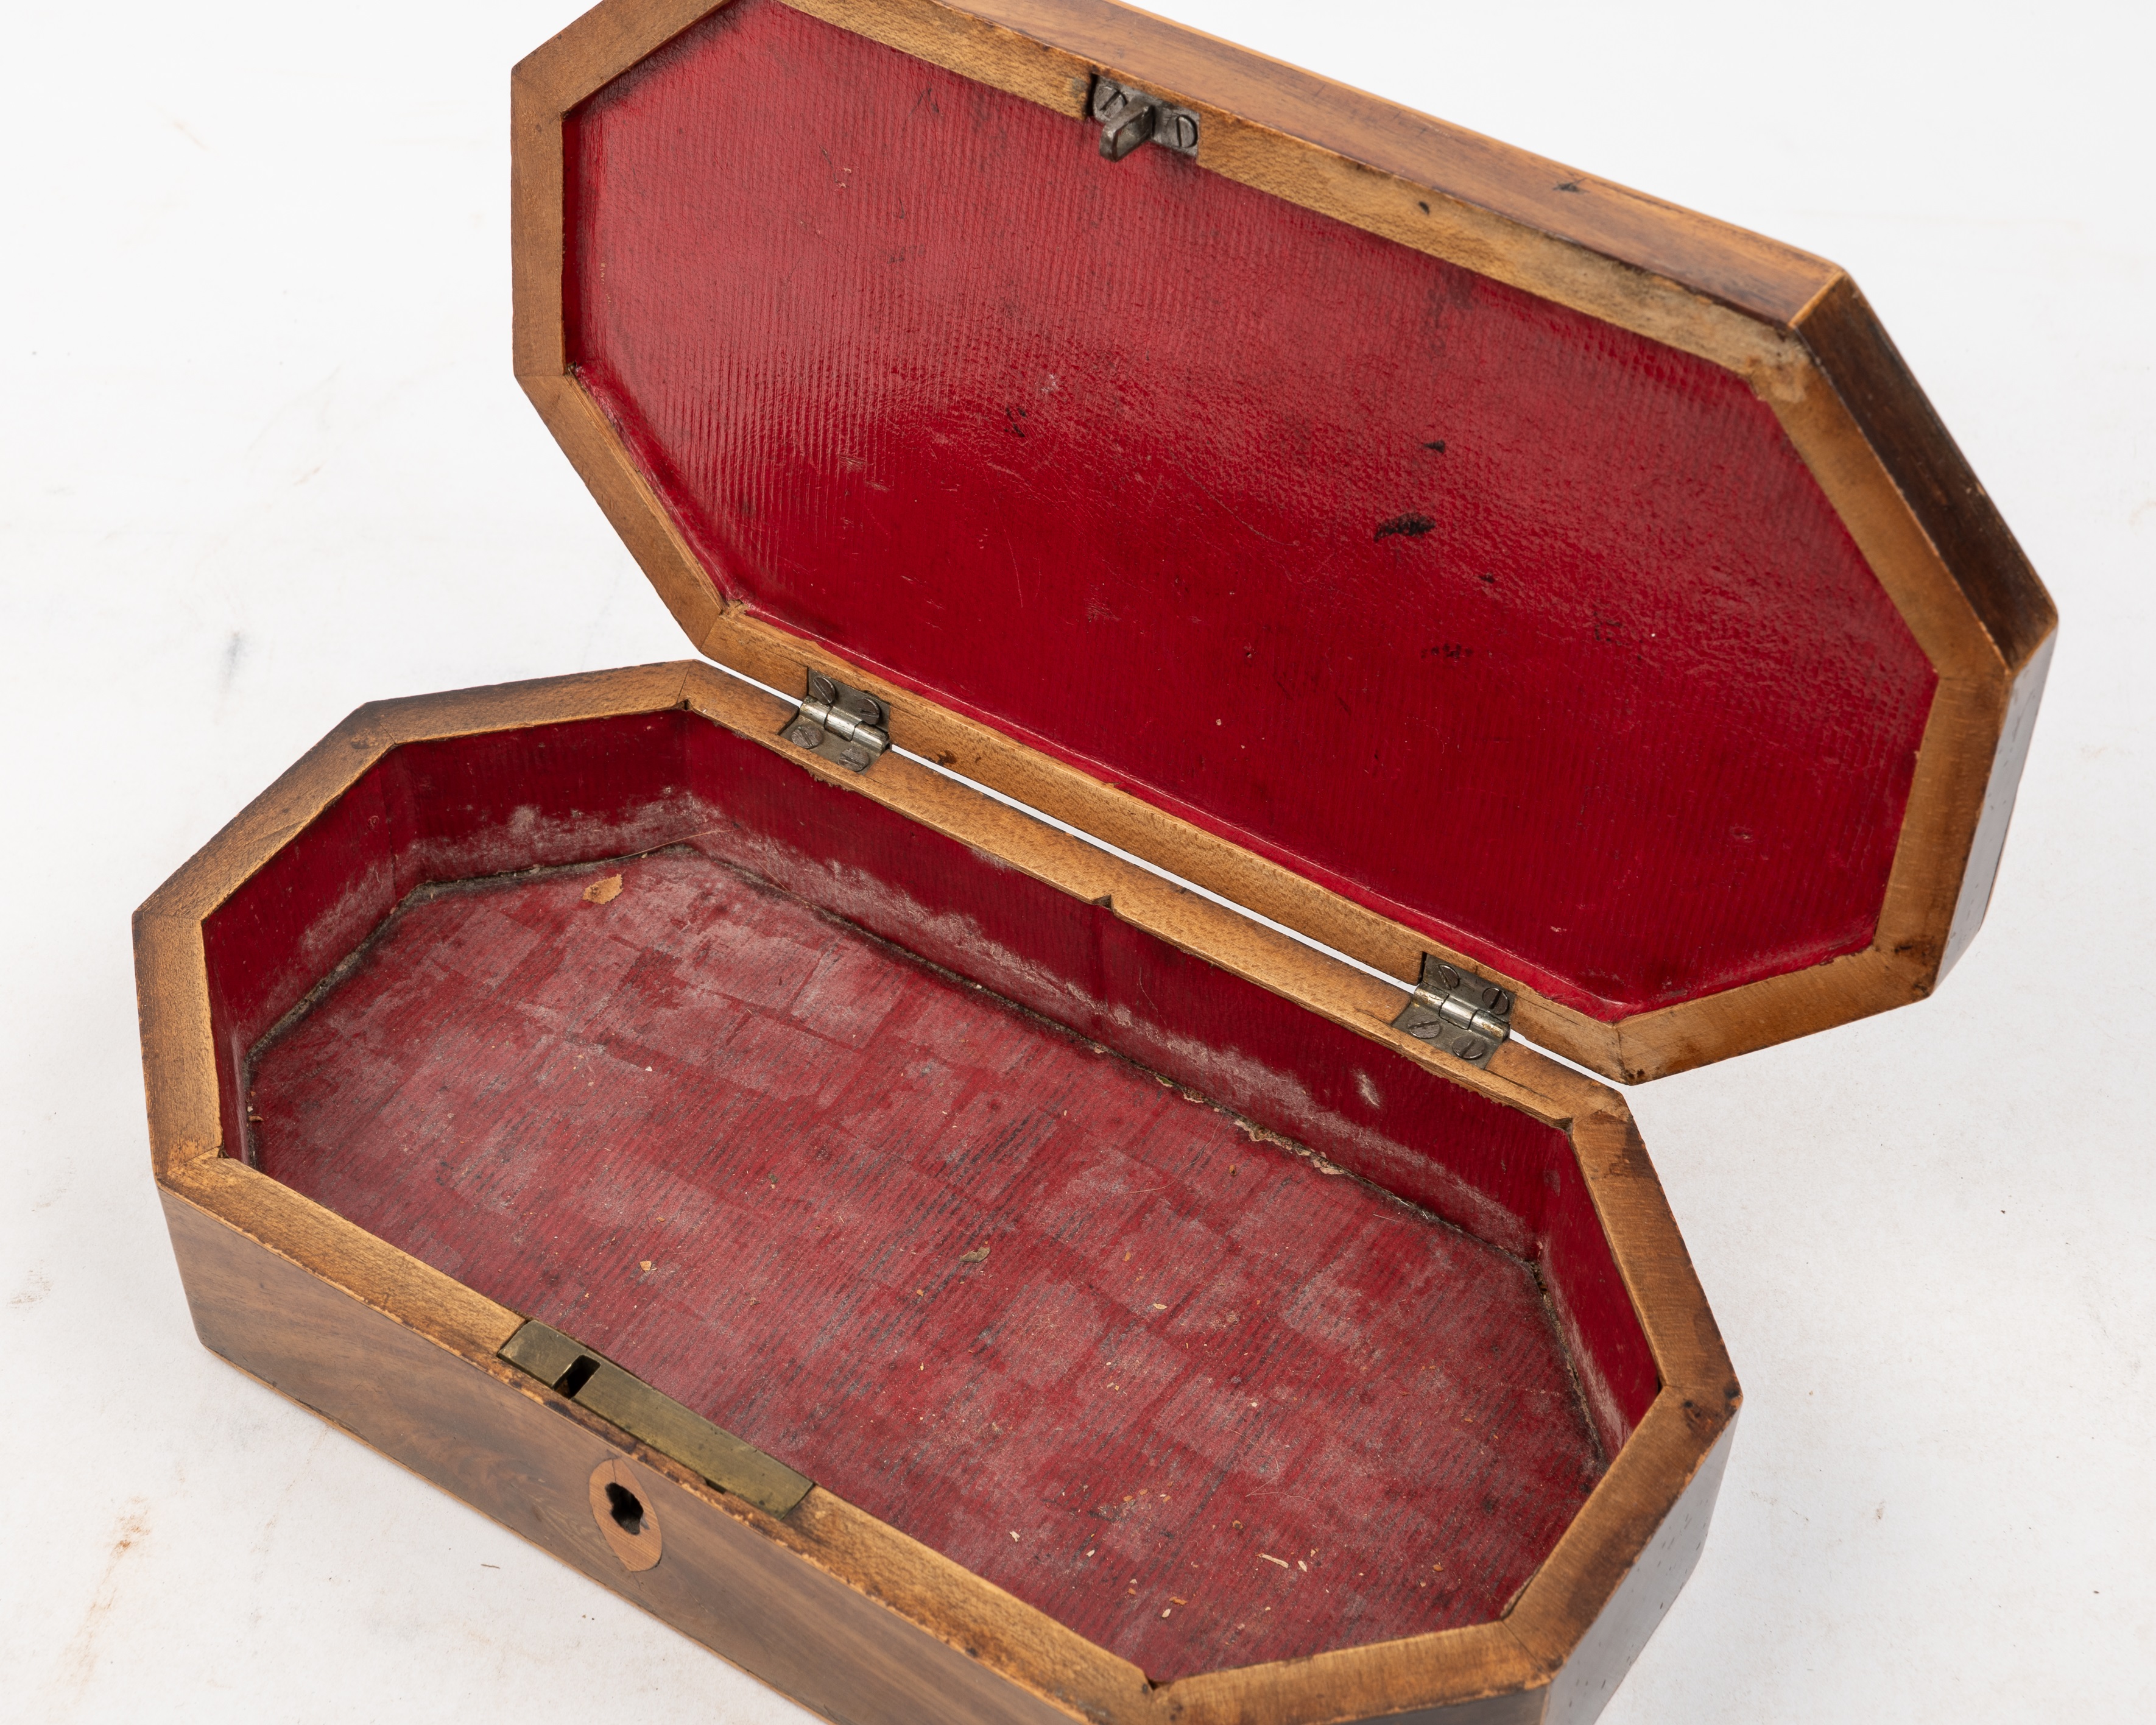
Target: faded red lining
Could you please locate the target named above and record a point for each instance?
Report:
(747, 1152)
(574, 792)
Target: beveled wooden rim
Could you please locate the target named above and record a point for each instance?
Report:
(1523, 1650)
(1792, 324)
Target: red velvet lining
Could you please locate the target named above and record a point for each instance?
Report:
(430, 1096)
(1524, 630)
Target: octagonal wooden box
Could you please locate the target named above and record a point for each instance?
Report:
(936, 1261)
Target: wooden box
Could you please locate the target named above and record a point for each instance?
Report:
(926, 1254)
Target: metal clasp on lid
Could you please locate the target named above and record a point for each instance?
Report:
(848, 725)
(1129, 117)
(1456, 1010)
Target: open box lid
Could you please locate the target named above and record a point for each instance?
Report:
(1504, 564)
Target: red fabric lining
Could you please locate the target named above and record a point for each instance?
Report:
(444, 1051)
(1617, 1376)
(1144, 466)
(322, 893)
(759, 1200)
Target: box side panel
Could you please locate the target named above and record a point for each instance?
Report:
(1643, 1599)
(536, 796)
(1466, 1157)
(287, 925)
(1990, 842)
(721, 1580)
(1957, 514)
(1617, 1375)
(1520, 1707)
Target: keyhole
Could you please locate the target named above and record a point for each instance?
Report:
(628, 1522)
(626, 1507)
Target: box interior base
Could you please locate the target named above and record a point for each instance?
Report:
(1215, 1394)
(746, 1151)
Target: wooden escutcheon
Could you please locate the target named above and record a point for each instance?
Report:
(621, 1504)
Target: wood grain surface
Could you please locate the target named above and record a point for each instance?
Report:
(833, 1609)
(526, 1461)
(625, 1509)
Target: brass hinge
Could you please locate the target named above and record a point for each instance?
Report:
(1456, 1010)
(627, 1401)
(1130, 117)
(848, 725)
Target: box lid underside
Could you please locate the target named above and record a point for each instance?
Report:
(1524, 630)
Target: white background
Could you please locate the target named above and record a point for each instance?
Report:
(264, 460)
